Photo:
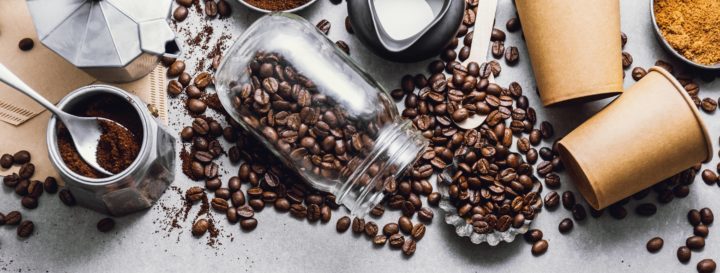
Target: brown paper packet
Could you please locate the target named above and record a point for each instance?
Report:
(651, 132)
(574, 48)
(23, 122)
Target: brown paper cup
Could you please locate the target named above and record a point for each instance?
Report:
(574, 47)
(651, 132)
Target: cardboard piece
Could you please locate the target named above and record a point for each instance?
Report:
(575, 48)
(651, 132)
(23, 122)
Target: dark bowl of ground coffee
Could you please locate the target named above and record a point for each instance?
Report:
(141, 155)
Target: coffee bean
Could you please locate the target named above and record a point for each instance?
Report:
(547, 130)
(348, 25)
(26, 171)
(709, 105)
(67, 198)
(323, 26)
(646, 209)
(176, 68)
(408, 247)
(11, 180)
(654, 245)
(706, 266)
(26, 44)
(627, 60)
(533, 236)
(512, 55)
(701, 230)
(425, 214)
(22, 157)
(25, 229)
(193, 92)
(211, 9)
(418, 231)
(544, 168)
(2, 219)
(566, 225)
(180, 13)
(684, 254)
(342, 224)
(35, 189)
(464, 53)
(313, 213)
(371, 229)
(433, 198)
(245, 212)
(203, 80)
(405, 224)
(377, 211)
(638, 73)
(396, 240)
(379, 240)
(552, 200)
(13, 218)
(6, 161)
(513, 24)
(29, 202)
(552, 180)
(342, 45)
(497, 35)
(105, 224)
(194, 194)
(695, 242)
(224, 9)
(185, 3)
(358, 225)
(196, 106)
(248, 224)
(617, 211)
(390, 229)
(578, 212)
(186, 134)
(694, 217)
(219, 204)
(706, 216)
(325, 214)
(568, 200)
(200, 227)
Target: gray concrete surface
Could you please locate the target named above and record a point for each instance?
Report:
(66, 239)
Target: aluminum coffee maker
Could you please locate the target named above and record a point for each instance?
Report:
(112, 40)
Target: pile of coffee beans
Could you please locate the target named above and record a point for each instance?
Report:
(324, 27)
(213, 9)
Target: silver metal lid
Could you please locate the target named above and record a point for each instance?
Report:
(102, 33)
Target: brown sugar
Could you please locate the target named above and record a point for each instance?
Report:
(277, 5)
(691, 28)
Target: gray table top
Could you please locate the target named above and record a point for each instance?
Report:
(66, 239)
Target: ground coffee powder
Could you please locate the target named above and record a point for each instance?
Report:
(277, 5)
(690, 26)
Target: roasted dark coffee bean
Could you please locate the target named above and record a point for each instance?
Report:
(513, 24)
(464, 53)
(50, 185)
(539, 248)
(11, 180)
(342, 45)
(323, 26)
(348, 25)
(706, 216)
(196, 106)
(6, 161)
(248, 224)
(211, 9)
(684, 254)
(105, 224)
(646, 209)
(67, 198)
(408, 248)
(25, 229)
(223, 193)
(418, 231)
(21, 188)
(200, 144)
(202, 80)
(405, 224)
(512, 55)
(627, 60)
(617, 211)
(200, 126)
(200, 227)
(638, 73)
(578, 212)
(552, 180)
(425, 214)
(197, 170)
(27, 171)
(26, 44)
(706, 266)
(224, 9)
(568, 200)
(694, 217)
(433, 199)
(396, 240)
(546, 153)
(448, 55)
(498, 49)
(176, 68)
(358, 225)
(282, 205)
(695, 242)
(325, 214)
(497, 35)
(22, 157)
(342, 224)
(211, 170)
(245, 212)
(533, 235)
(193, 92)
(35, 189)
(194, 194)
(390, 229)
(187, 134)
(371, 229)
(257, 204)
(167, 60)
(13, 218)
(701, 230)
(29, 202)
(231, 215)
(379, 240)
(544, 168)
(709, 105)
(552, 200)
(377, 211)
(219, 204)
(654, 245)
(566, 225)
(180, 13)
(547, 130)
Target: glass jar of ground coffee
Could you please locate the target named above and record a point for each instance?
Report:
(317, 111)
(141, 156)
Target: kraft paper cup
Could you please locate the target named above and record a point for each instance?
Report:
(575, 48)
(651, 132)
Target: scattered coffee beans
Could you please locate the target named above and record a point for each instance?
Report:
(684, 254)
(105, 224)
(25, 229)
(566, 225)
(654, 245)
(706, 266)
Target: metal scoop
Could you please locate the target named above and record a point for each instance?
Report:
(85, 131)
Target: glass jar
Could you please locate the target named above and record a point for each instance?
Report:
(288, 85)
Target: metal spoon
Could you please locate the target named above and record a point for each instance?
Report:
(85, 131)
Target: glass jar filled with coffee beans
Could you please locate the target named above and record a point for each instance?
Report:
(320, 114)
